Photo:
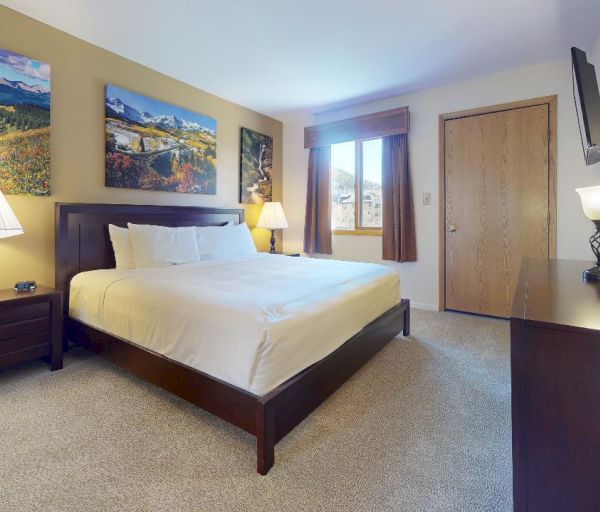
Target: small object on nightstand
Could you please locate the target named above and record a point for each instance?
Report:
(25, 286)
(292, 254)
(31, 327)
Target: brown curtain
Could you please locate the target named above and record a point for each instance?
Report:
(317, 227)
(399, 242)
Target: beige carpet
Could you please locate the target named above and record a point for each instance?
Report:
(425, 426)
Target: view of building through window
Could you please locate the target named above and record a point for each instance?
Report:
(371, 184)
(356, 168)
(343, 185)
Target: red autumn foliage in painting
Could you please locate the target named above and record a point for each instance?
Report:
(25, 162)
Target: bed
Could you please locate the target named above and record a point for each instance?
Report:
(290, 331)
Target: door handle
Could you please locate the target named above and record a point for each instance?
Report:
(452, 228)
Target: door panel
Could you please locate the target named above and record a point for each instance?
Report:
(497, 193)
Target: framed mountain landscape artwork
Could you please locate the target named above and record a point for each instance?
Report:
(24, 125)
(151, 145)
(256, 162)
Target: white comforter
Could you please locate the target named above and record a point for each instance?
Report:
(253, 323)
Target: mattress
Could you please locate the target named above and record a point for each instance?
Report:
(252, 322)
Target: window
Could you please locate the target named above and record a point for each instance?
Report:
(356, 187)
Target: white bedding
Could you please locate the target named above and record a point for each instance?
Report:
(252, 322)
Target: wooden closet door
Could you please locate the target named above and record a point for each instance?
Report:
(497, 207)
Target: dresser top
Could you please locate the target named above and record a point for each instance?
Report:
(554, 292)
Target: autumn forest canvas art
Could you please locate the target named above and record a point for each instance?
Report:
(24, 125)
(153, 145)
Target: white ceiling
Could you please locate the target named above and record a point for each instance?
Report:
(284, 57)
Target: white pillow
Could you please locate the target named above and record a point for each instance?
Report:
(225, 241)
(121, 246)
(160, 246)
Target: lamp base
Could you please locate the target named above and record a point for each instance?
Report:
(592, 274)
(273, 251)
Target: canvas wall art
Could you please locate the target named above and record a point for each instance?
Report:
(152, 145)
(256, 162)
(24, 125)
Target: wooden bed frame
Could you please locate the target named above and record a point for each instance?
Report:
(82, 243)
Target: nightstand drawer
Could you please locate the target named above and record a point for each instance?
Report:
(25, 312)
(24, 342)
(22, 328)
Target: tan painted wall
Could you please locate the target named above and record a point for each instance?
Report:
(79, 73)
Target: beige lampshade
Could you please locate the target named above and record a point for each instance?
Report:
(272, 217)
(590, 200)
(9, 224)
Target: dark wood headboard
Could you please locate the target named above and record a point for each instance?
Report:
(83, 243)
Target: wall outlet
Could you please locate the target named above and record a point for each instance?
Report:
(426, 198)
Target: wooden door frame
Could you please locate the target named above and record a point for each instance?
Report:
(551, 101)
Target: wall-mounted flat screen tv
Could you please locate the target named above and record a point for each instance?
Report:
(587, 103)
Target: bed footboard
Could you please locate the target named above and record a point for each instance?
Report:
(287, 405)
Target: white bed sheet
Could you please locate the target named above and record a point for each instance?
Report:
(252, 322)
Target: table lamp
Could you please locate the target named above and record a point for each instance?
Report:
(9, 224)
(590, 200)
(272, 217)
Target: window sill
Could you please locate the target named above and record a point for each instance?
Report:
(358, 232)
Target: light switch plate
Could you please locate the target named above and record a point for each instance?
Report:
(426, 198)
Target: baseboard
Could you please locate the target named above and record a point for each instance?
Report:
(423, 305)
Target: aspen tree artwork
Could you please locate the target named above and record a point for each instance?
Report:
(256, 162)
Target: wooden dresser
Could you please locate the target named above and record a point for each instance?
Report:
(555, 365)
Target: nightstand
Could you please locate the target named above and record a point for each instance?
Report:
(31, 327)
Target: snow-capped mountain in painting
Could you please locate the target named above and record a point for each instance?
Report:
(16, 92)
(115, 106)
